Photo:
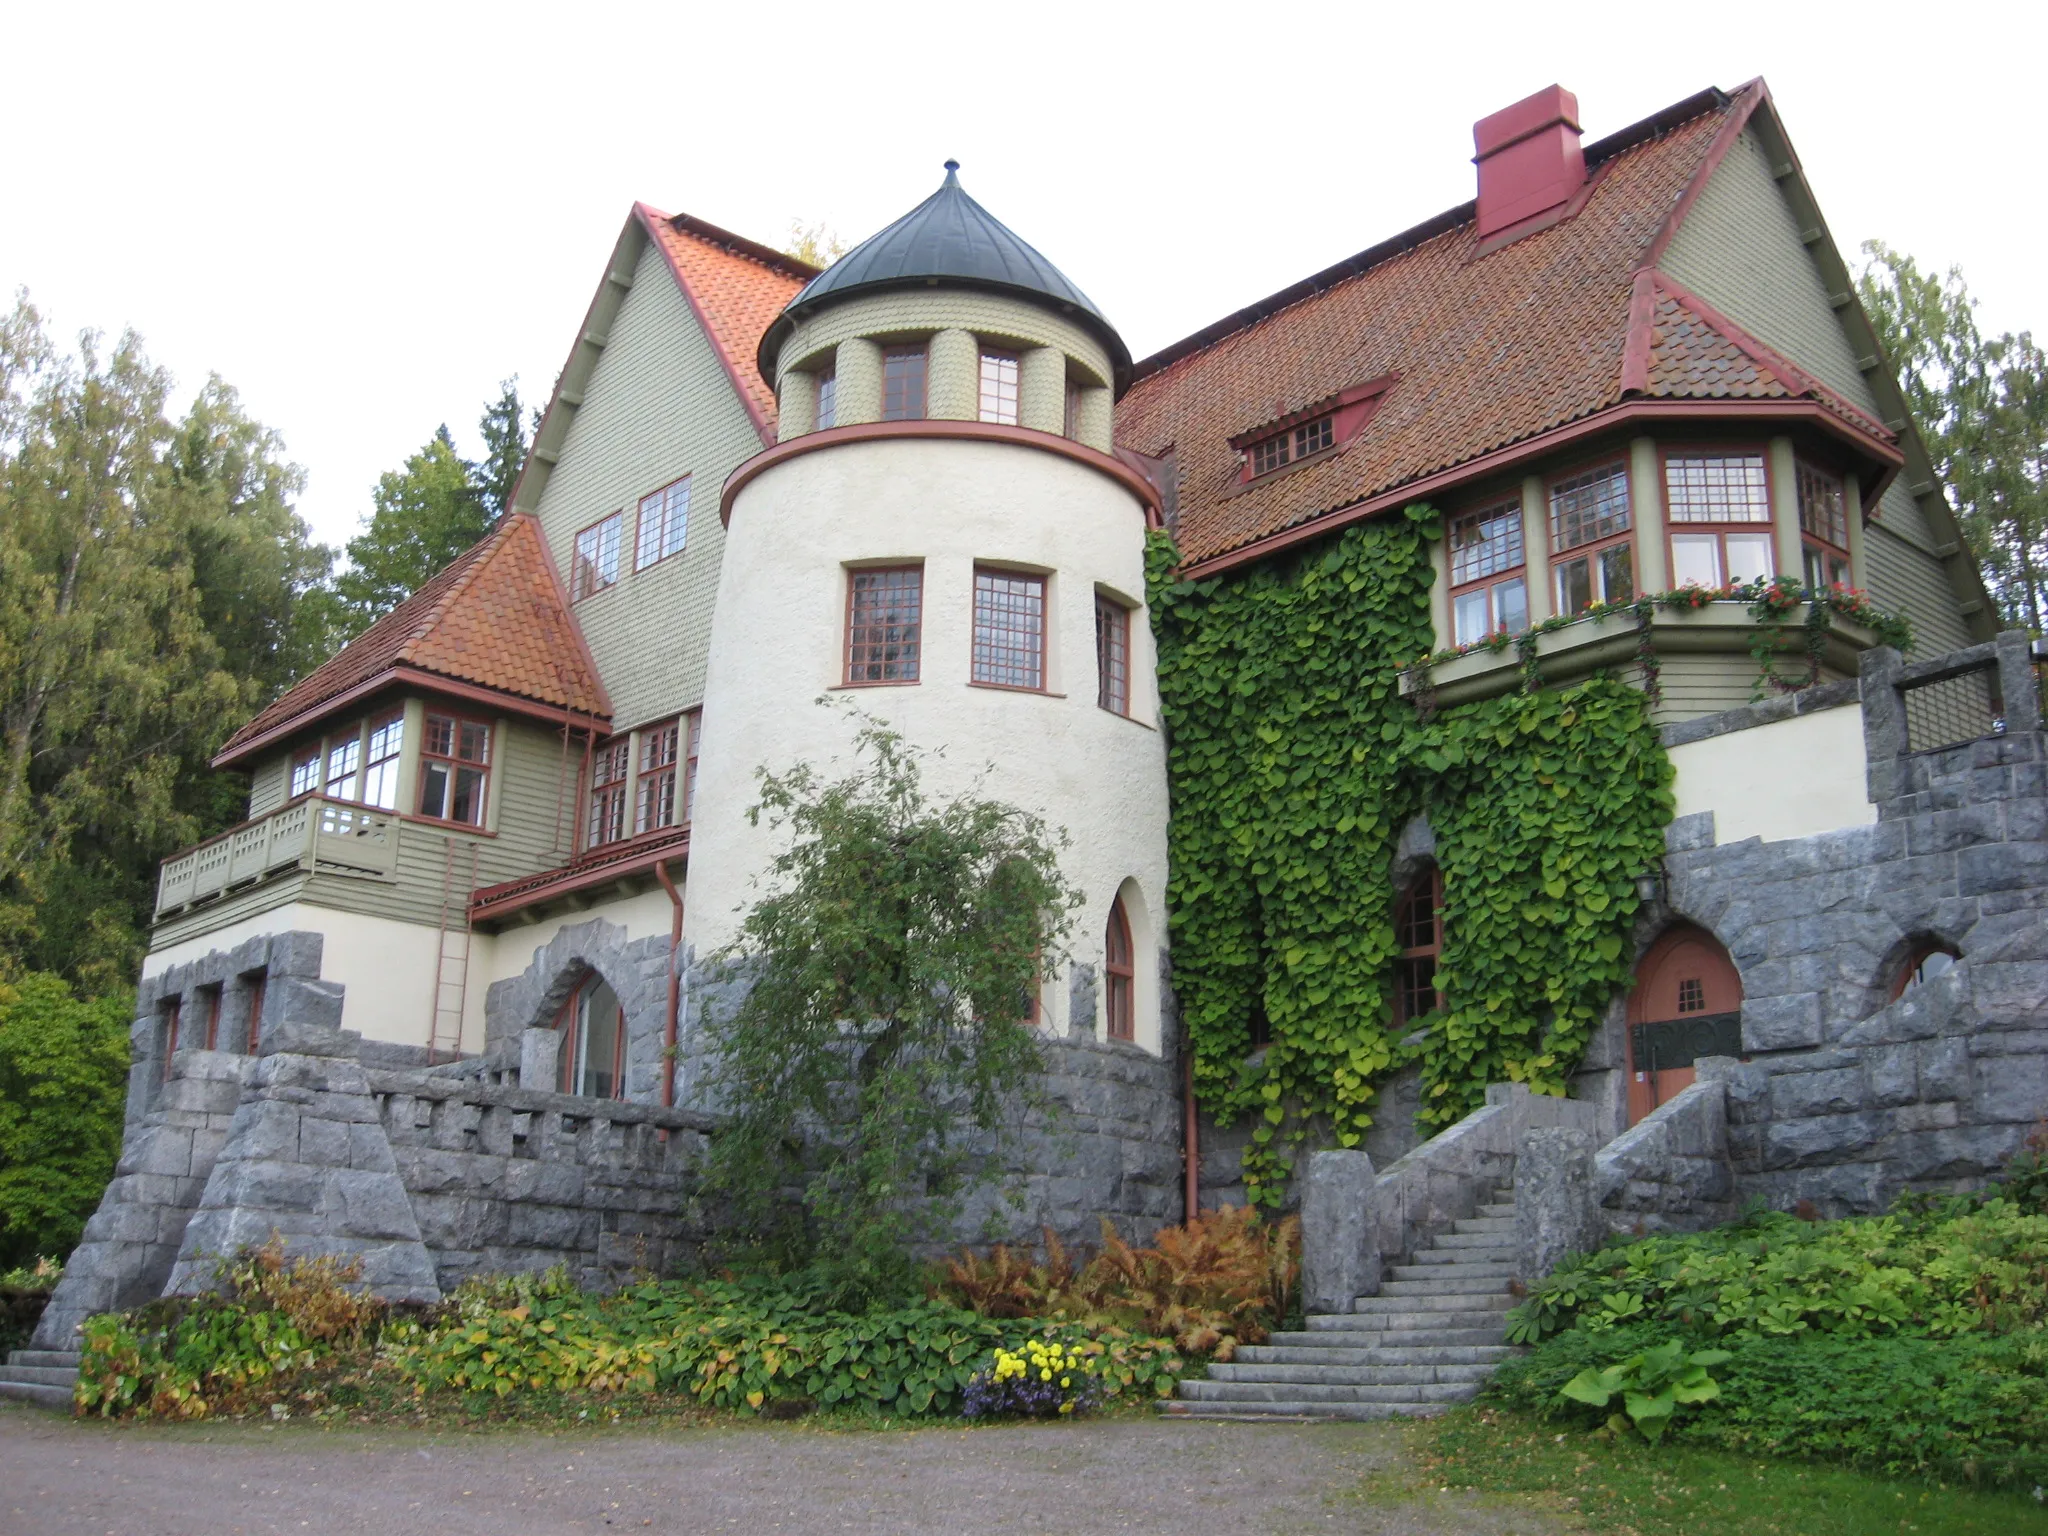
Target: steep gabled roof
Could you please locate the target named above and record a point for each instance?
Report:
(495, 620)
(1491, 346)
(734, 286)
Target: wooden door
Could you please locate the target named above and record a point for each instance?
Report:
(1687, 1003)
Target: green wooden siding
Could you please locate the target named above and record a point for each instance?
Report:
(657, 406)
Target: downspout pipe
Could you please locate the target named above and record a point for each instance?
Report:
(1191, 1137)
(675, 988)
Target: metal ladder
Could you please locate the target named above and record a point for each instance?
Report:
(451, 958)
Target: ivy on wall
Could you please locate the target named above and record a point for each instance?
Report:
(1295, 764)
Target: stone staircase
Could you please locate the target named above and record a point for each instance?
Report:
(1430, 1338)
(42, 1377)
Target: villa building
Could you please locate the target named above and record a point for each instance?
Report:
(498, 835)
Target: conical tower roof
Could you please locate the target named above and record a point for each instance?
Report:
(948, 239)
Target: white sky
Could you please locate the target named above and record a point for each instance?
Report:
(364, 216)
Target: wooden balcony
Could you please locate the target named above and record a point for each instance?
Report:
(311, 834)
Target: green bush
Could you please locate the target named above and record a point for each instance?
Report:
(1973, 1408)
(1943, 1269)
(295, 1333)
(1653, 1384)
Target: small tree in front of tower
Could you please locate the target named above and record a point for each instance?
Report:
(879, 1066)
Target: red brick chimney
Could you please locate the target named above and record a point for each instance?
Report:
(1529, 158)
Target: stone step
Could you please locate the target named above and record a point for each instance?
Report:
(1352, 1375)
(1498, 1208)
(57, 1399)
(1180, 1408)
(1447, 1280)
(60, 1359)
(1411, 1330)
(1382, 1354)
(1303, 1392)
(64, 1376)
(1463, 1260)
(1456, 1239)
(1416, 1297)
(1502, 1226)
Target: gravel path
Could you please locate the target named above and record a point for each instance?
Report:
(62, 1478)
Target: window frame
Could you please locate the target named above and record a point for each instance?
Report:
(391, 761)
(825, 408)
(428, 757)
(923, 353)
(173, 1011)
(1432, 951)
(1813, 544)
(1000, 357)
(1107, 681)
(210, 1006)
(606, 792)
(579, 590)
(1290, 443)
(974, 646)
(351, 749)
(647, 777)
(256, 985)
(847, 664)
(572, 1026)
(1119, 978)
(1490, 583)
(1591, 549)
(670, 517)
(693, 733)
(314, 758)
(1719, 529)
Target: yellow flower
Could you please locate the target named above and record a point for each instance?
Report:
(1066, 1381)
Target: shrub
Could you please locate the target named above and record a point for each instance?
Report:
(1224, 1278)
(1973, 1408)
(1652, 1385)
(23, 1295)
(1945, 1269)
(1040, 1381)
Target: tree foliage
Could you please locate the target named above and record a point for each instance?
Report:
(153, 584)
(1295, 764)
(818, 243)
(63, 1082)
(877, 1061)
(428, 512)
(1982, 405)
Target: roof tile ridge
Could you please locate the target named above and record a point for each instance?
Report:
(1641, 334)
(654, 221)
(704, 231)
(1765, 355)
(1741, 107)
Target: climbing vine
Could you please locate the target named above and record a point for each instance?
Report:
(1295, 764)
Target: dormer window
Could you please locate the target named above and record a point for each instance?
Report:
(1270, 453)
(903, 371)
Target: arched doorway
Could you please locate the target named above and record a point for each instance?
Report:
(1687, 1003)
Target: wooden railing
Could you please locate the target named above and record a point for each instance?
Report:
(310, 833)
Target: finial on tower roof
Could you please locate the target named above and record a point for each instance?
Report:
(952, 172)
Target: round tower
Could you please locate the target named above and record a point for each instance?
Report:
(944, 537)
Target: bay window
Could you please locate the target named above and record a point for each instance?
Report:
(1719, 506)
(1489, 586)
(1592, 547)
(607, 821)
(306, 771)
(1823, 527)
(380, 769)
(455, 760)
(344, 761)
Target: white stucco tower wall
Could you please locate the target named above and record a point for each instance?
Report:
(886, 494)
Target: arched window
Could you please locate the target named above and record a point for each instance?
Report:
(1120, 975)
(1418, 940)
(593, 1050)
(1687, 1003)
(1924, 962)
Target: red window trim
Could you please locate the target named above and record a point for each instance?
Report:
(846, 678)
(1433, 950)
(568, 1027)
(1349, 411)
(1120, 980)
(575, 568)
(257, 985)
(489, 764)
(641, 774)
(1488, 583)
(211, 997)
(621, 787)
(173, 1016)
(661, 491)
(1553, 555)
(1102, 668)
(923, 351)
(1044, 581)
(1674, 530)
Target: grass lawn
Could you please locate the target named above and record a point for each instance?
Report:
(1629, 1489)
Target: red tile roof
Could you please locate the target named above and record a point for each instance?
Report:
(737, 289)
(496, 619)
(1489, 346)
